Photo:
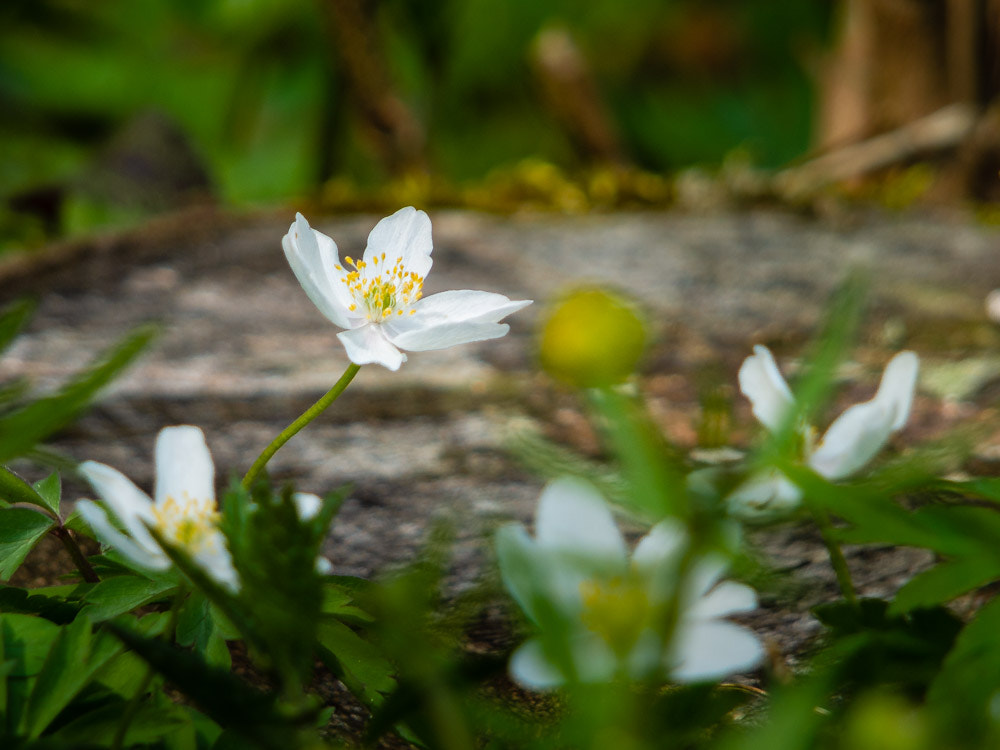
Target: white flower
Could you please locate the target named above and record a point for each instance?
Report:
(378, 299)
(577, 570)
(184, 511)
(849, 443)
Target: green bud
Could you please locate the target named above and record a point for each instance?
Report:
(592, 338)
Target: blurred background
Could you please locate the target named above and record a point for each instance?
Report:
(113, 110)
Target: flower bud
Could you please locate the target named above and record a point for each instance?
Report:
(592, 338)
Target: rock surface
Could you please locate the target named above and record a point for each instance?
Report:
(243, 352)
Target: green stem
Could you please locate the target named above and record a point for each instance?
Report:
(307, 416)
(82, 564)
(837, 559)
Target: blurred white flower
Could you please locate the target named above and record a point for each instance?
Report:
(848, 444)
(379, 298)
(307, 506)
(184, 511)
(575, 577)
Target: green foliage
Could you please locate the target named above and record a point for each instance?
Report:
(230, 702)
(20, 530)
(965, 690)
(115, 596)
(24, 426)
(261, 95)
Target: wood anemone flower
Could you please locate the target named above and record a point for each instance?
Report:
(378, 299)
(602, 615)
(184, 511)
(851, 441)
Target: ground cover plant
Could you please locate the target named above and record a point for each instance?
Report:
(614, 643)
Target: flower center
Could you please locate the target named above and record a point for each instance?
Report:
(382, 291)
(190, 523)
(617, 609)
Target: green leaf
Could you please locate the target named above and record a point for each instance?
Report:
(52, 603)
(197, 627)
(26, 644)
(50, 491)
(13, 489)
(20, 530)
(152, 722)
(27, 641)
(944, 582)
(114, 596)
(969, 679)
(339, 602)
(75, 656)
(12, 320)
(21, 429)
(987, 488)
(358, 663)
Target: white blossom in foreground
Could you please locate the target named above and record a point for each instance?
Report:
(848, 444)
(575, 578)
(379, 299)
(184, 511)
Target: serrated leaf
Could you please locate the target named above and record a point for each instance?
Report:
(20, 530)
(196, 627)
(114, 596)
(76, 654)
(50, 491)
(339, 602)
(358, 663)
(21, 429)
(13, 489)
(43, 602)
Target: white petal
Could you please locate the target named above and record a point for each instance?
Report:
(465, 304)
(657, 555)
(530, 669)
(713, 649)
(574, 522)
(184, 468)
(521, 568)
(705, 572)
(768, 392)
(215, 559)
(448, 335)
(452, 318)
(592, 659)
(898, 383)
(727, 598)
(313, 259)
(323, 566)
(660, 546)
(307, 505)
(368, 344)
(98, 520)
(763, 495)
(853, 438)
(407, 235)
(129, 504)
